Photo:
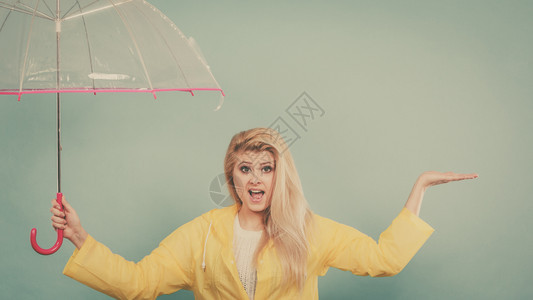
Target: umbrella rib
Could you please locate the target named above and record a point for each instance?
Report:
(88, 43)
(5, 20)
(65, 17)
(27, 48)
(128, 27)
(49, 9)
(73, 5)
(196, 49)
(30, 10)
(168, 46)
(24, 11)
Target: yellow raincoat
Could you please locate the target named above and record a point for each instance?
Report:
(198, 256)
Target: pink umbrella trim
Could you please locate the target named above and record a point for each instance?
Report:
(77, 90)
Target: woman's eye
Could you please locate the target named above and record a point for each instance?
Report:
(267, 169)
(245, 169)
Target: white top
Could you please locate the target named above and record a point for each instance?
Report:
(244, 244)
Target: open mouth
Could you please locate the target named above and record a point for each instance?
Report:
(256, 195)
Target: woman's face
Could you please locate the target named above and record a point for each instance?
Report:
(253, 176)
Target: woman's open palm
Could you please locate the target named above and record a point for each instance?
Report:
(431, 178)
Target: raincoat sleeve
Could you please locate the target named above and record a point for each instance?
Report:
(167, 269)
(346, 248)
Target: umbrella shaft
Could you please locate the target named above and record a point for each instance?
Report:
(58, 100)
(58, 144)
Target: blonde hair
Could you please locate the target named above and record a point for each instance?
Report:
(287, 220)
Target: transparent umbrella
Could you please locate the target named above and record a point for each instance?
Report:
(97, 46)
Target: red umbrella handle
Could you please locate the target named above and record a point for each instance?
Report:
(57, 245)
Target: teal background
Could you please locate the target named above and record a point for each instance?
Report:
(406, 86)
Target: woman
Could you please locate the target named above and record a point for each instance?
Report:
(269, 245)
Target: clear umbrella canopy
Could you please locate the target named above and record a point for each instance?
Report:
(49, 46)
(53, 46)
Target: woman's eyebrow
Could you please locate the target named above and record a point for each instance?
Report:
(249, 163)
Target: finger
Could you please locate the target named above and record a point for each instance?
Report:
(470, 176)
(56, 212)
(55, 204)
(58, 220)
(59, 226)
(67, 205)
(456, 177)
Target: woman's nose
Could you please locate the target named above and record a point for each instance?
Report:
(255, 179)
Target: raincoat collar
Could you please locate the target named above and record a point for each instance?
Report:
(222, 220)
